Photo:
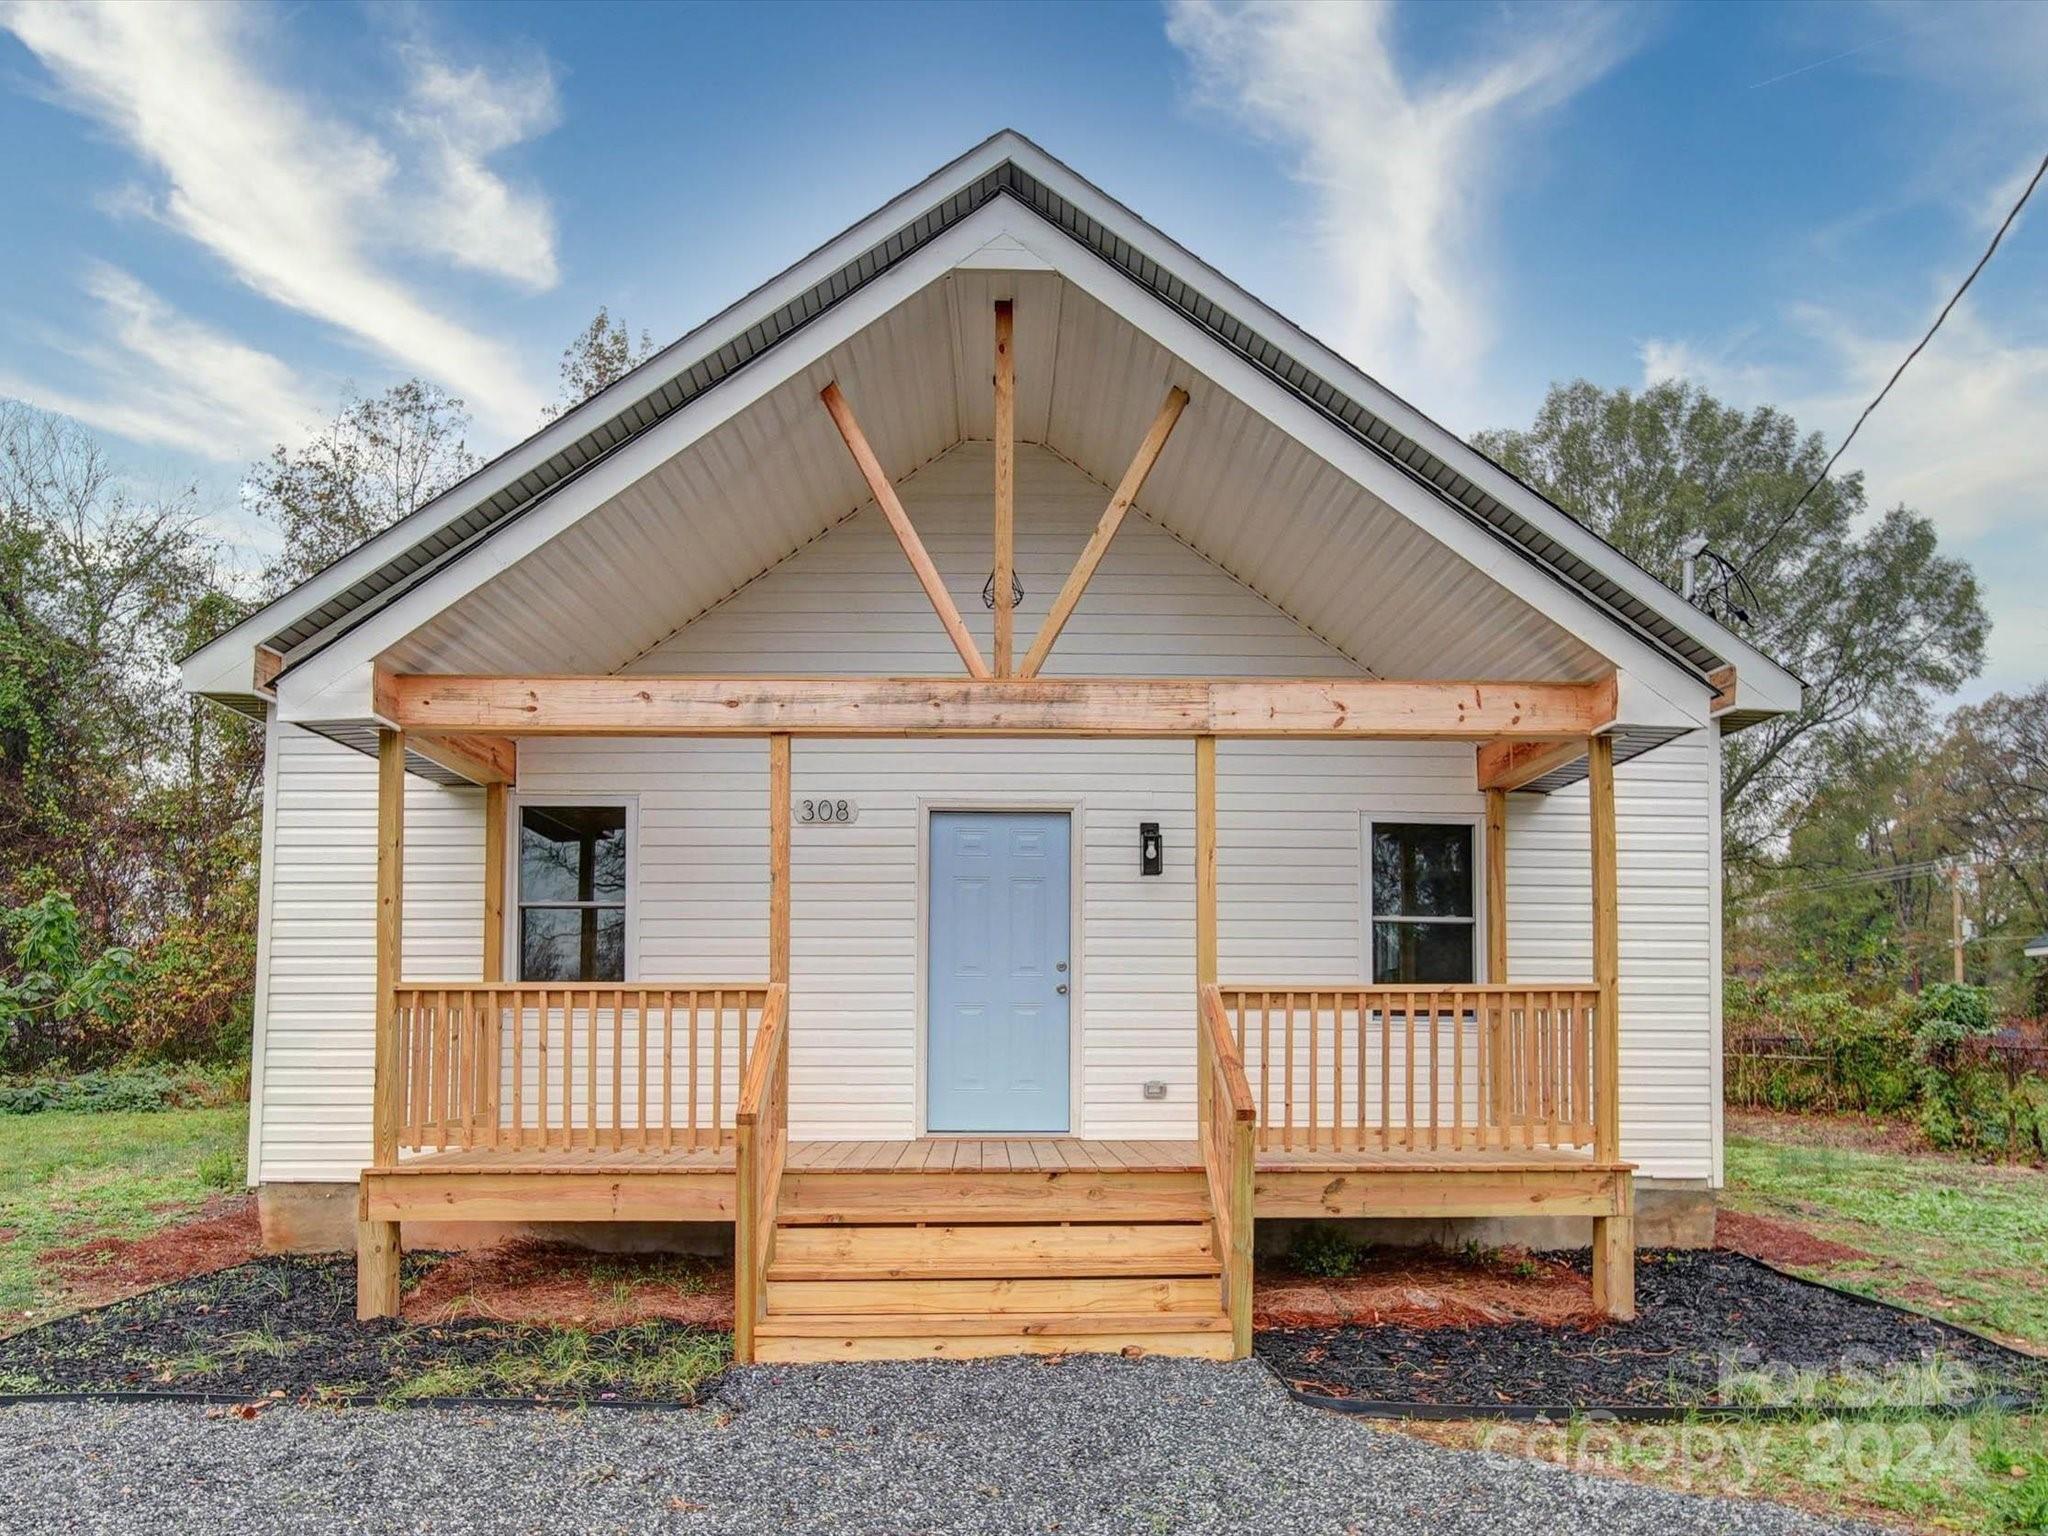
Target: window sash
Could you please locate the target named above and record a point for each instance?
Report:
(1378, 827)
(522, 904)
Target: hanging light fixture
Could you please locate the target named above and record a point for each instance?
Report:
(988, 592)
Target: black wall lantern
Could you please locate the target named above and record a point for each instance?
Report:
(1151, 858)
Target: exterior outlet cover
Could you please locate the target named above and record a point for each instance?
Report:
(1155, 1088)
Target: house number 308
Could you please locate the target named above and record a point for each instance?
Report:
(821, 812)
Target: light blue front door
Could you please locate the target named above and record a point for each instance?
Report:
(998, 987)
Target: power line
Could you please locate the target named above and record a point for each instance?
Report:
(1783, 522)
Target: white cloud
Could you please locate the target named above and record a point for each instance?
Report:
(168, 379)
(1401, 167)
(461, 117)
(303, 207)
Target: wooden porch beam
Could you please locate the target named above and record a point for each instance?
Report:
(1006, 486)
(1098, 543)
(906, 535)
(1505, 765)
(1332, 709)
(484, 760)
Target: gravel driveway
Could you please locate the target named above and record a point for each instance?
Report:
(1078, 1445)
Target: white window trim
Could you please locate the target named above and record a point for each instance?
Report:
(517, 801)
(1477, 922)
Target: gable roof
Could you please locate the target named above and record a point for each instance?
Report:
(333, 602)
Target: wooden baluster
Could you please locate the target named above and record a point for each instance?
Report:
(437, 1073)
(590, 1073)
(1336, 1069)
(1358, 1121)
(640, 1126)
(1287, 1134)
(1436, 1064)
(618, 1060)
(668, 1069)
(1265, 1069)
(742, 1023)
(540, 1057)
(1314, 1052)
(1408, 1069)
(518, 1069)
(718, 1067)
(1458, 1074)
(694, 1117)
(1588, 1002)
(1531, 1093)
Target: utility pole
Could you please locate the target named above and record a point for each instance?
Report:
(1955, 893)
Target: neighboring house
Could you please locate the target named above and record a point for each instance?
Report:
(990, 766)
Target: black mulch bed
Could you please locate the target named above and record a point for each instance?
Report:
(287, 1327)
(1700, 1315)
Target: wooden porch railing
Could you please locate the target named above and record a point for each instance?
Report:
(1227, 1115)
(606, 1066)
(762, 1126)
(1419, 1068)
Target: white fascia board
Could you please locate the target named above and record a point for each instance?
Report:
(1664, 692)
(227, 664)
(1776, 687)
(332, 683)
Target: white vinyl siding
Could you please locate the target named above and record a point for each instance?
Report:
(320, 937)
(1667, 832)
(1291, 819)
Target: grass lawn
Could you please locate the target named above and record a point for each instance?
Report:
(1964, 1241)
(65, 1178)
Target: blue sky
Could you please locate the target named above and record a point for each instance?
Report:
(227, 215)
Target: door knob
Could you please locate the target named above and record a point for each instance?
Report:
(1061, 989)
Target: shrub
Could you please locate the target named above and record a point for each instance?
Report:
(1325, 1252)
(55, 1004)
(125, 1091)
(191, 997)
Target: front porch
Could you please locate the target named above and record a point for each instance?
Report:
(628, 1102)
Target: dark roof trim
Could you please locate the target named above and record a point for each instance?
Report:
(340, 614)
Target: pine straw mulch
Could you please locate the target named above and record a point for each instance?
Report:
(1426, 1288)
(222, 1234)
(527, 1281)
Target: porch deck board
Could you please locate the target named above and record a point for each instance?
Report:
(975, 1154)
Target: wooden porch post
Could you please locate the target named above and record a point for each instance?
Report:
(377, 1242)
(494, 882)
(1614, 1281)
(779, 812)
(1495, 1021)
(1205, 892)
(1496, 886)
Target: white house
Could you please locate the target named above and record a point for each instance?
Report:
(997, 730)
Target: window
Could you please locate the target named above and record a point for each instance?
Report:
(572, 892)
(1423, 928)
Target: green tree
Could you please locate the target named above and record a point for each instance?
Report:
(1866, 610)
(380, 458)
(603, 352)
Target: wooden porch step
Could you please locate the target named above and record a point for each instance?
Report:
(949, 1251)
(992, 1196)
(1148, 1296)
(979, 1335)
